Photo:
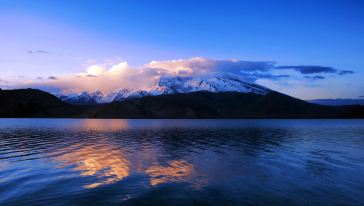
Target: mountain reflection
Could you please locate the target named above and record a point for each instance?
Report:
(104, 161)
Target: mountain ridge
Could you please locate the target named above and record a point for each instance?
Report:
(200, 104)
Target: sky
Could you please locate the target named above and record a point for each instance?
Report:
(307, 49)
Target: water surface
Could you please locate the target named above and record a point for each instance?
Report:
(181, 162)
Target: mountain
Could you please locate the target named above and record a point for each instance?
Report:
(337, 102)
(221, 83)
(83, 98)
(33, 103)
(118, 96)
(170, 85)
(200, 104)
(204, 104)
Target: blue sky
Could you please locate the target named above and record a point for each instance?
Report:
(51, 38)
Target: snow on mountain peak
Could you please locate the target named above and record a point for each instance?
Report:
(119, 95)
(172, 85)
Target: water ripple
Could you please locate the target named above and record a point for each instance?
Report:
(213, 162)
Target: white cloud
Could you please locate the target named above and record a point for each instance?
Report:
(109, 77)
(95, 70)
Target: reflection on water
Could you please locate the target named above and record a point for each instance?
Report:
(109, 165)
(106, 126)
(175, 171)
(102, 160)
(181, 162)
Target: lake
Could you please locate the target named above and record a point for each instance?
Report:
(181, 162)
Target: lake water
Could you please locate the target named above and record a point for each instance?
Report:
(181, 162)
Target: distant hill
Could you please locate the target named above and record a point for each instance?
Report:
(36, 103)
(33, 103)
(337, 102)
(222, 105)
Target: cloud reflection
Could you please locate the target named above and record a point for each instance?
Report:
(110, 165)
(111, 125)
(104, 161)
(177, 170)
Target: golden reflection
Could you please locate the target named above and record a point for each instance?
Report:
(174, 172)
(110, 164)
(103, 160)
(108, 125)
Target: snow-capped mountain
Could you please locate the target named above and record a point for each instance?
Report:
(84, 98)
(117, 96)
(171, 85)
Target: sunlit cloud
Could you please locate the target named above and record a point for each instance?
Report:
(107, 78)
(110, 76)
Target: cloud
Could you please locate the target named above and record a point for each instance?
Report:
(316, 77)
(3, 84)
(2, 81)
(39, 51)
(344, 72)
(42, 52)
(269, 76)
(110, 78)
(309, 69)
(200, 65)
(362, 96)
(238, 65)
(107, 78)
(52, 77)
(96, 77)
(316, 70)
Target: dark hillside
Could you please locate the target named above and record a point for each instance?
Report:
(36, 103)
